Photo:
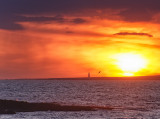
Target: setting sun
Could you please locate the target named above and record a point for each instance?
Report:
(130, 63)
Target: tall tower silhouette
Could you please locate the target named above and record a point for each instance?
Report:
(89, 75)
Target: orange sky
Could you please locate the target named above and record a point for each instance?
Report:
(72, 51)
(67, 49)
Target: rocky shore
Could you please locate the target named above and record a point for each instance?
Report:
(11, 107)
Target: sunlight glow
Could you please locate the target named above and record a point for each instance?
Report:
(128, 74)
(130, 63)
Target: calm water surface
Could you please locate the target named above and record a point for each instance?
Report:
(138, 99)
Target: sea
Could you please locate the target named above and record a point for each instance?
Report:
(131, 99)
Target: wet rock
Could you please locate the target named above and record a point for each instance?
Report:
(11, 107)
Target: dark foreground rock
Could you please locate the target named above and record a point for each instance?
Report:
(11, 107)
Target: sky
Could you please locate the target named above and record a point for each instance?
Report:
(69, 38)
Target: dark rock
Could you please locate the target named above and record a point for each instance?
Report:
(11, 107)
(7, 112)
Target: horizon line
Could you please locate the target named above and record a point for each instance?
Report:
(86, 78)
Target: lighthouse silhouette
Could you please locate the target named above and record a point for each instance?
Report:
(89, 75)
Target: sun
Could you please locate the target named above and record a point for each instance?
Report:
(130, 63)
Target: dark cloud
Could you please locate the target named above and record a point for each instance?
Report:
(57, 18)
(134, 33)
(134, 10)
(12, 23)
(41, 19)
(78, 21)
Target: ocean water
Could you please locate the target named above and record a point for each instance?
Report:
(132, 99)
